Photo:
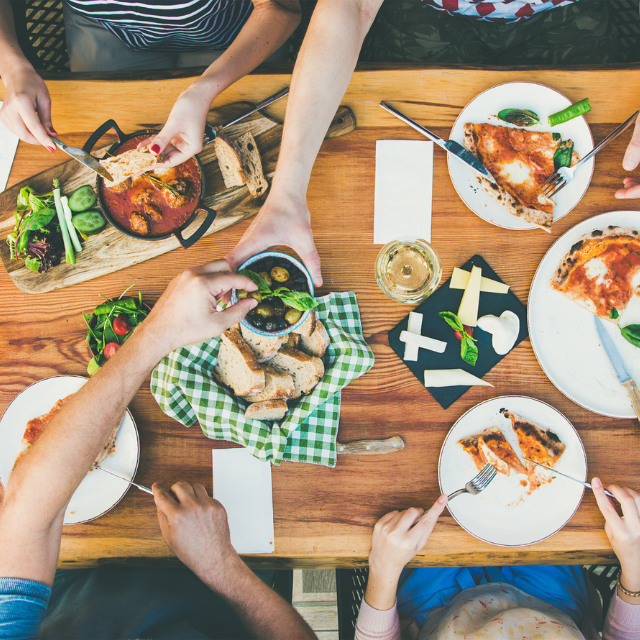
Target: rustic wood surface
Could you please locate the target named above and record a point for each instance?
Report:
(324, 516)
(112, 250)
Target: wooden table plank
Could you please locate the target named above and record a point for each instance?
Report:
(323, 517)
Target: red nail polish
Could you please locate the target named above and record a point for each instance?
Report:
(52, 149)
(54, 132)
(155, 148)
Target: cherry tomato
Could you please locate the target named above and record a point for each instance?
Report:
(110, 348)
(121, 326)
(458, 334)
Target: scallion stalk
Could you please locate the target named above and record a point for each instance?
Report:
(68, 246)
(72, 230)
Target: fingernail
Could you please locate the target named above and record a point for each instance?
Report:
(442, 499)
(596, 483)
(253, 303)
(53, 132)
(52, 149)
(155, 148)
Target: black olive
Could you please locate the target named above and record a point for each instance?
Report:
(301, 277)
(272, 326)
(282, 324)
(298, 286)
(277, 303)
(257, 321)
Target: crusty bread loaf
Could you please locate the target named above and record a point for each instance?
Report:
(293, 340)
(316, 344)
(309, 325)
(265, 347)
(252, 165)
(230, 161)
(305, 370)
(278, 386)
(237, 365)
(267, 410)
(128, 163)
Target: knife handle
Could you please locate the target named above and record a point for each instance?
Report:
(634, 394)
(371, 447)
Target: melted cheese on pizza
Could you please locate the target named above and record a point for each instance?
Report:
(491, 447)
(539, 445)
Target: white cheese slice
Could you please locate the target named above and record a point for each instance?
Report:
(468, 311)
(460, 277)
(414, 326)
(451, 378)
(423, 342)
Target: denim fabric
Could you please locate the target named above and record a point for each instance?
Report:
(23, 604)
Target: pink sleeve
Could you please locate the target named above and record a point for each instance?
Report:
(377, 625)
(622, 621)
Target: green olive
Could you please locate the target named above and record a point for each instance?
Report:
(256, 295)
(279, 274)
(292, 316)
(264, 310)
(266, 277)
(241, 293)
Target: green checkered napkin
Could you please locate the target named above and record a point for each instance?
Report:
(184, 388)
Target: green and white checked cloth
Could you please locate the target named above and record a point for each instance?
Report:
(184, 388)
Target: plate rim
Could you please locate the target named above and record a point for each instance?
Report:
(135, 429)
(503, 226)
(531, 340)
(511, 397)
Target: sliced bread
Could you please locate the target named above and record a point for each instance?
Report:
(267, 410)
(278, 386)
(128, 163)
(305, 370)
(316, 344)
(237, 365)
(252, 165)
(265, 347)
(309, 325)
(293, 340)
(230, 161)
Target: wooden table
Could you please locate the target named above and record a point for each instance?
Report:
(324, 517)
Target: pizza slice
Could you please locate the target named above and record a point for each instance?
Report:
(520, 161)
(491, 447)
(601, 272)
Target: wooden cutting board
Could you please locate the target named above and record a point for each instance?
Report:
(111, 250)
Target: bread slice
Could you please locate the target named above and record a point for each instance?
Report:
(309, 325)
(237, 365)
(265, 347)
(230, 161)
(293, 340)
(252, 165)
(128, 164)
(305, 370)
(267, 410)
(278, 386)
(316, 344)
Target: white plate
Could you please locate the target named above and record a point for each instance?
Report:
(98, 492)
(519, 95)
(492, 515)
(564, 337)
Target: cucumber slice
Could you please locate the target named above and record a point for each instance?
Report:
(89, 222)
(571, 112)
(82, 198)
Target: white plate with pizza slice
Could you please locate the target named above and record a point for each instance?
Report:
(484, 108)
(563, 333)
(505, 513)
(98, 492)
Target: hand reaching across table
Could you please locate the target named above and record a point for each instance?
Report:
(629, 163)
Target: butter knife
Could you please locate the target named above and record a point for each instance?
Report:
(564, 475)
(83, 158)
(115, 475)
(618, 365)
(370, 447)
(451, 146)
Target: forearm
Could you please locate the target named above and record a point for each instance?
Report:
(381, 589)
(321, 76)
(10, 53)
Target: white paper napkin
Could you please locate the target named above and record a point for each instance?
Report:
(404, 182)
(8, 145)
(242, 484)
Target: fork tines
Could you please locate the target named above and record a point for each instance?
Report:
(552, 185)
(487, 474)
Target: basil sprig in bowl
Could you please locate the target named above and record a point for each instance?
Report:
(289, 299)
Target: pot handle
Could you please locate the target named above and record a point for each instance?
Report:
(100, 131)
(204, 227)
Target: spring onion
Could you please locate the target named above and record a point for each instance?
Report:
(72, 230)
(571, 112)
(68, 246)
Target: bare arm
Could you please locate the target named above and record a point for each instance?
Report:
(322, 73)
(266, 30)
(44, 480)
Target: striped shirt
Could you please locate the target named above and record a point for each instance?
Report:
(169, 25)
(499, 10)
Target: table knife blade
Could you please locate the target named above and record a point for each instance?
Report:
(564, 475)
(370, 447)
(617, 365)
(115, 475)
(83, 158)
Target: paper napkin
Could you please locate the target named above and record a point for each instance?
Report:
(404, 181)
(8, 145)
(242, 483)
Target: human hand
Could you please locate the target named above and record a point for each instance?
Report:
(186, 313)
(195, 527)
(629, 163)
(623, 532)
(284, 219)
(27, 106)
(182, 135)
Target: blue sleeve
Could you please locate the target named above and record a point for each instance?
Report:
(23, 604)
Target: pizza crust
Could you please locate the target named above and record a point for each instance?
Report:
(503, 197)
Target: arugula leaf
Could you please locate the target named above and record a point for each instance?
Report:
(468, 350)
(614, 313)
(631, 333)
(258, 280)
(452, 320)
(23, 199)
(32, 263)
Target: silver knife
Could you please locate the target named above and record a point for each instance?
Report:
(564, 475)
(618, 366)
(370, 447)
(451, 146)
(83, 158)
(115, 475)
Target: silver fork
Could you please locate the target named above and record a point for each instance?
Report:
(477, 484)
(562, 176)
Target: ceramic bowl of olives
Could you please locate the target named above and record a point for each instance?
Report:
(285, 293)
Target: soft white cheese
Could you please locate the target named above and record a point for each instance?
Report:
(596, 269)
(414, 326)
(452, 378)
(423, 342)
(516, 172)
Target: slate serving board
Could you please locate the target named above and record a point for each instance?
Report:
(433, 326)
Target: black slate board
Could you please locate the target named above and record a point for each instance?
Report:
(447, 299)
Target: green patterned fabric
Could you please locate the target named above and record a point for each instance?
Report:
(184, 388)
